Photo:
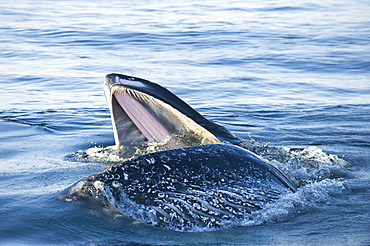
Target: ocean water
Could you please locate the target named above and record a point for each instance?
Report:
(283, 75)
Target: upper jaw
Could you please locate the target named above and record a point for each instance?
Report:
(113, 79)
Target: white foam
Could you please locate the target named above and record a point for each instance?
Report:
(302, 166)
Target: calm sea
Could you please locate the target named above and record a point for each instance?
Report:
(288, 74)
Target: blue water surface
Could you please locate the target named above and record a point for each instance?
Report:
(290, 74)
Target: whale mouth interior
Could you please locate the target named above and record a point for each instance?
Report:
(140, 118)
(147, 123)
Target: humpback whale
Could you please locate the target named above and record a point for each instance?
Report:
(200, 178)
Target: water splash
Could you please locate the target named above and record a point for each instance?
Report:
(304, 166)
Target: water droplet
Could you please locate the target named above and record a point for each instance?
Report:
(150, 161)
(98, 185)
(109, 176)
(164, 158)
(116, 184)
(141, 163)
(125, 176)
(204, 169)
(196, 205)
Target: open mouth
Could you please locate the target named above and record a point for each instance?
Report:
(138, 117)
(144, 120)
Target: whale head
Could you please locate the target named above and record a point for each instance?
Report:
(142, 111)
